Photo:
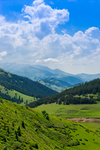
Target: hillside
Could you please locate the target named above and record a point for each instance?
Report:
(80, 94)
(55, 84)
(23, 85)
(24, 128)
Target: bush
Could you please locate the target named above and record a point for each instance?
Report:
(1, 101)
(5, 148)
(45, 114)
(17, 145)
(23, 124)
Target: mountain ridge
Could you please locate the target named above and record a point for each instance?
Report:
(24, 85)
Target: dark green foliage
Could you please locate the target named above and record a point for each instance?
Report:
(45, 114)
(13, 124)
(19, 131)
(16, 135)
(22, 85)
(36, 146)
(23, 124)
(15, 112)
(1, 101)
(83, 143)
(85, 139)
(68, 96)
(5, 148)
(8, 130)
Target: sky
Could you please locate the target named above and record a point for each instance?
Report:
(63, 34)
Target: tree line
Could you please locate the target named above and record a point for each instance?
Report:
(68, 96)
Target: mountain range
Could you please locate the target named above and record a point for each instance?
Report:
(55, 79)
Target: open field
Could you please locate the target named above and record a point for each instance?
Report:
(75, 111)
(72, 111)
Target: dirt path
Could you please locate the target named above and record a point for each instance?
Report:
(96, 120)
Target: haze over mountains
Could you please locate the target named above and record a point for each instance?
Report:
(55, 79)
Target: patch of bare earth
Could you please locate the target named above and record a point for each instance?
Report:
(96, 120)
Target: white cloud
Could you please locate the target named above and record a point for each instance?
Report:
(44, 19)
(34, 39)
(50, 59)
(2, 54)
(37, 2)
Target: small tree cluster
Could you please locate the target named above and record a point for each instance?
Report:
(45, 114)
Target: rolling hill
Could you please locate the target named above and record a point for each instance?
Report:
(23, 85)
(80, 94)
(24, 128)
(55, 84)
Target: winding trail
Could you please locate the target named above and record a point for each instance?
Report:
(95, 120)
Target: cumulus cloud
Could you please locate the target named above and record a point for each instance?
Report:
(33, 39)
(43, 18)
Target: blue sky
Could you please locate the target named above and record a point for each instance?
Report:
(58, 34)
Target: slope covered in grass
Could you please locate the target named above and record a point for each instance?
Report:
(24, 128)
(16, 96)
(23, 85)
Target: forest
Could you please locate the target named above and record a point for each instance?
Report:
(75, 95)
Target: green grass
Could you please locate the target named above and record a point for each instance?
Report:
(24, 128)
(92, 125)
(72, 111)
(75, 111)
(13, 92)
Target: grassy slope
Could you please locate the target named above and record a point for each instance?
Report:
(24, 85)
(74, 111)
(13, 92)
(40, 133)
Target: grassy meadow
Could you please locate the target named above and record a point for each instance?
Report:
(74, 111)
(13, 93)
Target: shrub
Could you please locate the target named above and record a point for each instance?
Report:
(83, 143)
(19, 131)
(23, 124)
(17, 145)
(45, 114)
(5, 148)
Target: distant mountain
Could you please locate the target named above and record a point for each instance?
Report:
(24, 85)
(32, 73)
(72, 80)
(55, 84)
(44, 73)
(88, 77)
